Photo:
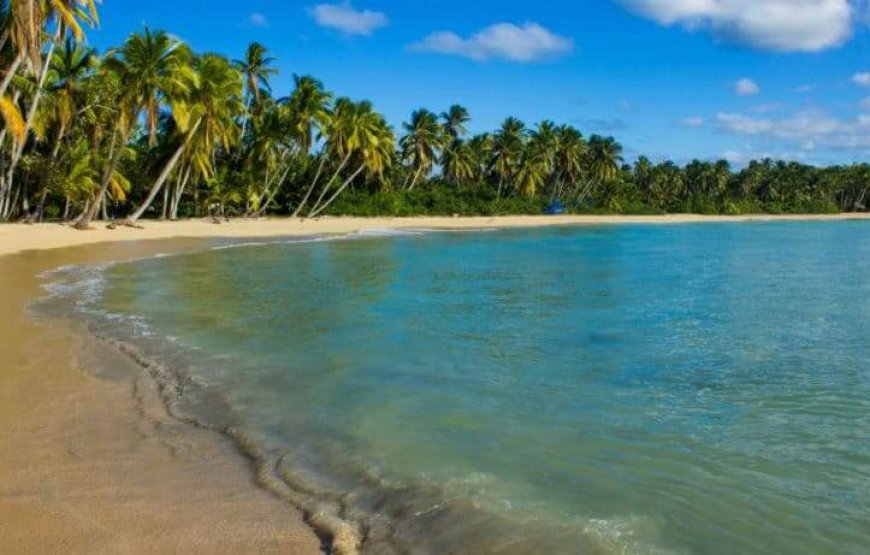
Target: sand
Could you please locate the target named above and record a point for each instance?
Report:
(19, 237)
(90, 462)
(93, 463)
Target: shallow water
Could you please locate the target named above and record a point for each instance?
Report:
(636, 389)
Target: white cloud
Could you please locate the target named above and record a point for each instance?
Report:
(693, 121)
(746, 87)
(862, 78)
(345, 18)
(806, 130)
(258, 20)
(526, 43)
(778, 25)
(804, 89)
(865, 104)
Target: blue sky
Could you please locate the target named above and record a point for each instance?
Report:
(676, 79)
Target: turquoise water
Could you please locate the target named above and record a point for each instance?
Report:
(673, 389)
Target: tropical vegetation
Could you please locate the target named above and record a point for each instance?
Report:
(152, 129)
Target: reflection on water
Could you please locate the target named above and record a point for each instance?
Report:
(629, 389)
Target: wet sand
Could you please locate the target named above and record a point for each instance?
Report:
(90, 462)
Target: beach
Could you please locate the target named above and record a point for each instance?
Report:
(92, 462)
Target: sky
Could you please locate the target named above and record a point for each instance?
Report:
(670, 79)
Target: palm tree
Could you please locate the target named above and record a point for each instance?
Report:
(605, 155)
(70, 68)
(26, 20)
(256, 67)
(454, 120)
(568, 159)
(273, 152)
(154, 68)
(482, 147)
(460, 165)
(532, 173)
(422, 144)
(309, 107)
(362, 135)
(205, 116)
(507, 149)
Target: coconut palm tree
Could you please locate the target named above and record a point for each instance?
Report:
(605, 155)
(154, 69)
(364, 137)
(422, 144)
(460, 165)
(454, 120)
(507, 150)
(568, 158)
(70, 68)
(310, 116)
(37, 17)
(257, 69)
(25, 22)
(531, 173)
(205, 115)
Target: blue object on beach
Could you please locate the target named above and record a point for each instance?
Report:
(556, 208)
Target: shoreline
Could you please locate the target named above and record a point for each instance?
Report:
(93, 461)
(170, 482)
(16, 238)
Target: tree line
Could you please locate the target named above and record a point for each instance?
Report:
(152, 129)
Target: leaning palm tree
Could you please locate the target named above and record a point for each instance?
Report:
(422, 144)
(309, 105)
(70, 68)
(205, 115)
(25, 16)
(153, 68)
(368, 140)
(26, 21)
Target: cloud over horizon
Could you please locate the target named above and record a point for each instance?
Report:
(345, 18)
(777, 25)
(525, 43)
(807, 130)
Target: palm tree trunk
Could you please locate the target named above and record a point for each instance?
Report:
(90, 211)
(18, 150)
(104, 207)
(416, 177)
(311, 188)
(40, 208)
(329, 184)
(246, 116)
(10, 72)
(179, 193)
(339, 191)
(265, 205)
(161, 179)
(165, 206)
